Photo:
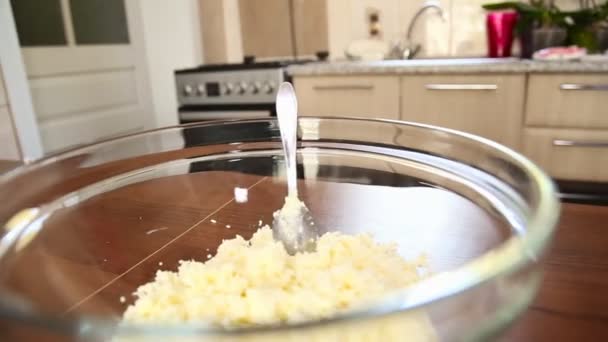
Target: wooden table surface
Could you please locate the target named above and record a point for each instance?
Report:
(121, 238)
(572, 304)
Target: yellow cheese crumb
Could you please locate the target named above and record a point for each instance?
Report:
(257, 282)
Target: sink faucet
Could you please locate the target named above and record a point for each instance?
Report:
(410, 49)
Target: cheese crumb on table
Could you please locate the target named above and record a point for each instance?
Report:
(256, 282)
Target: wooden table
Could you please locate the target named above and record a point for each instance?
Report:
(121, 238)
(572, 304)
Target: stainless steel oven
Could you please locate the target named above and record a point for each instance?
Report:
(229, 91)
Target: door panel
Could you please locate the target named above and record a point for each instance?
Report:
(94, 125)
(73, 95)
(83, 93)
(49, 61)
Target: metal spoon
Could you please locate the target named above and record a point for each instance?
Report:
(293, 224)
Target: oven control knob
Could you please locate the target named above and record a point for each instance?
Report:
(188, 90)
(228, 89)
(255, 87)
(268, 87)
(241, 88)
(200, 90)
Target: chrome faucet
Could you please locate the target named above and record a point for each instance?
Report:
(409, 49)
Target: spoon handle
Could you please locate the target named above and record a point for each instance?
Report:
(287, 114)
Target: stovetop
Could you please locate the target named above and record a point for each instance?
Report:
(243, 66)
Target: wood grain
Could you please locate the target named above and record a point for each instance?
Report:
(118, 241)
(548, 106)
(493, 114)
(310, 24)
(213, 31)
(361, 96)
(266, 28)
(583, 163)
(572, 302)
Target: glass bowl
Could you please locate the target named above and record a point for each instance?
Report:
(83, 229)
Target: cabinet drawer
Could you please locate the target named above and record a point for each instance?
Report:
(569, 154)
(362, 96)
(567, 101)
(487, 105)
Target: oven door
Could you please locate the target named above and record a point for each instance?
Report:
(197, 113)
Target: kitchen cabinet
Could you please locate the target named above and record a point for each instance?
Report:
(487, 105)
(567, 101)
(572, 154)
(279, 28)
(266, 28)
(567, 125)
(360, 96)
(560, 121)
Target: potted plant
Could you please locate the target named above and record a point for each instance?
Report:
(540, 24)
(588, 27)
(601, 32)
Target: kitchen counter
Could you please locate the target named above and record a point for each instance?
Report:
(447, 66)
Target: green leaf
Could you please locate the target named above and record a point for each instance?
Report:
(583, 38)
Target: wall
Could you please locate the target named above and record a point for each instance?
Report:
(172, 41)
(348, 21)
(9, 150)
(461, 34)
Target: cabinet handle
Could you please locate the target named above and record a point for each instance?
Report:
(461, 87)
(574, 143)
(344, 87)
(576, 86)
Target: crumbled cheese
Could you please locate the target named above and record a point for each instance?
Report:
(213, 221)
(240, 195)
(257, 282)
(122, 299)
(228, 226)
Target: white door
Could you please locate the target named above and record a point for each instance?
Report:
(85, 64)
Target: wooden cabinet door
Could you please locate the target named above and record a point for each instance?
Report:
(283, 28)
(266, 28)
(569, 154)
(487, 105)
(310, 27)
(567, 101)
(360, 96)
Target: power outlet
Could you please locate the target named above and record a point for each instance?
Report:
(373, 22)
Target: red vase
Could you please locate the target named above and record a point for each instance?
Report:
(500, 26)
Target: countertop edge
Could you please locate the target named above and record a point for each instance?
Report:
(443, 67)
